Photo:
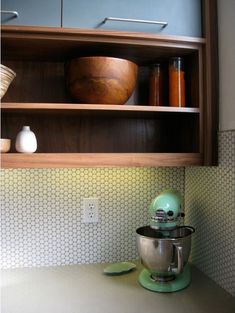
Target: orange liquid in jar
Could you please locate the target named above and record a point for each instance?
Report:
(176, 83)
(155, 86)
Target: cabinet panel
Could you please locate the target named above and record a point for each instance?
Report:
(33, 12)
(183, 16)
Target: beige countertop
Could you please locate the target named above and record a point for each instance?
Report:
(85, 289)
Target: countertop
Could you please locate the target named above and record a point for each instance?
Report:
(85, 289)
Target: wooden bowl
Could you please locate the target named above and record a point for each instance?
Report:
(5, 145)
(101, 80)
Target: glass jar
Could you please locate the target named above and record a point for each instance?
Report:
(176, 82)
(155, 85)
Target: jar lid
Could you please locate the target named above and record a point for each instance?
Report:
(176, 58)
(156, 65)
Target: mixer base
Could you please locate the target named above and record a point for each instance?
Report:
(180, 282)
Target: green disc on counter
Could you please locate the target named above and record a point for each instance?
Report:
(119, 268)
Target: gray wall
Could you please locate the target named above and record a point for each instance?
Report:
(226, 19)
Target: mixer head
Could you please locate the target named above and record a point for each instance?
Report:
(165, 210)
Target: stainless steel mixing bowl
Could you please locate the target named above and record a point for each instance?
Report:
(164, 253)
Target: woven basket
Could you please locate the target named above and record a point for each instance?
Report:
(7, 76)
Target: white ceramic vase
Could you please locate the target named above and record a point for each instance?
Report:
(26, 141)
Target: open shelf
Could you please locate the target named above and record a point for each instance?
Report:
(74, 135)
(70, 160)
(101, 129)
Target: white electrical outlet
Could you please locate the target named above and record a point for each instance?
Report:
(90, 209)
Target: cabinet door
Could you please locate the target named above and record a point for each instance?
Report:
(32, 12)
(183, 16)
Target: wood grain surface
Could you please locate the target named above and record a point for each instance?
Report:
(99, 79)
(58, 160)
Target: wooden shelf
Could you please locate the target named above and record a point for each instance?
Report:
(59, 44)
(45, 107)
(76, 34)
(71, 160)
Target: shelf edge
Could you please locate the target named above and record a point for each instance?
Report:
(45, 32)
(73, 160)
(10, 106)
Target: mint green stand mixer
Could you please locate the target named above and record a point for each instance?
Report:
(164, 246)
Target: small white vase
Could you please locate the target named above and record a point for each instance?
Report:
(26, 141)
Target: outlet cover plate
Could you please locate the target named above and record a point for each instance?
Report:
(90, 210)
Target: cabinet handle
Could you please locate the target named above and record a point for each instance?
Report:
(14, 13)
(120, 19)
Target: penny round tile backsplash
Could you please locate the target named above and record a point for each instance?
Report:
(210, 208)
(42, 213)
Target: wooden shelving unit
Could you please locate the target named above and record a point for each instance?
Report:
(74, 135)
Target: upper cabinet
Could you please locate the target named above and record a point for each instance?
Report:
(183, 17)
(31, 13)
